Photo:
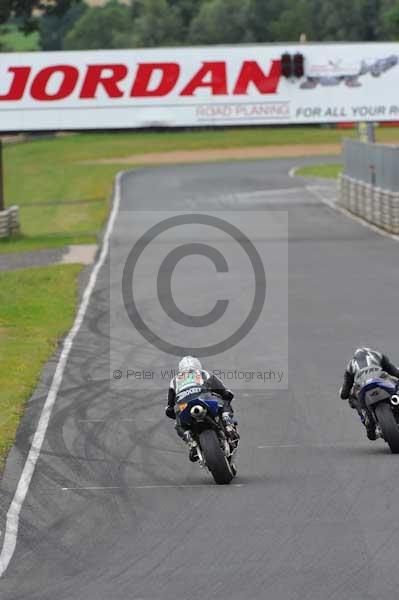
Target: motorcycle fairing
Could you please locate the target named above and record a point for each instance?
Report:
(376, 390)
(208, 403)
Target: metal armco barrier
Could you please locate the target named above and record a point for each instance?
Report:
(9, 222)
(369, 185)
(372, 163)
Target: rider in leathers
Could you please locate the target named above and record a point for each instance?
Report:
(365, 361)
(191, 380)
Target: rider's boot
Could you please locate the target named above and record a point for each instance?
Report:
(229, 421)
(231, 428)
(369, 425)
(370, 431)
(192, 444)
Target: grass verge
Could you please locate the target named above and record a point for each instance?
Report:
(64, 201)
(38, 308)
(329, 171)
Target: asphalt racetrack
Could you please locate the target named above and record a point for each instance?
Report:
(115, 511)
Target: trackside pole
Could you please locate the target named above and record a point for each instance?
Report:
(366, 132)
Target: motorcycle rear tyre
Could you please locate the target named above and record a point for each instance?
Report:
(215, 459)
(389, 426)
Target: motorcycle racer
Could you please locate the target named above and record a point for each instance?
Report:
(191, 379)
(365, 363)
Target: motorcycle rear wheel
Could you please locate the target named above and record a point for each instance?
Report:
(389, 426)
(215, 458)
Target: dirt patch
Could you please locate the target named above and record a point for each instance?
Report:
(208, 155)
(80, 253)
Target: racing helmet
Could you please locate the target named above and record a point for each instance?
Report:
(367, 356)
(189, 363)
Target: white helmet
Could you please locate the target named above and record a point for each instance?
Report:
(189, 363)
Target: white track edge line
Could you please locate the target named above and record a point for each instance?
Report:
(12, 518)
(144, 487)
(307, 446)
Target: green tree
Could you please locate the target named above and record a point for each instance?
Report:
(157, 24)
(21, 14)
(24, 9)
(56, 23)
(222, 21)
(294, 17)
(187, 10)
(18, 8)
(151, 23)
(100, 28)
(390, 21)
(361, 21)
(262, 15)
(325, 20)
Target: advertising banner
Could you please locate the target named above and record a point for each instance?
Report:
(214, 85)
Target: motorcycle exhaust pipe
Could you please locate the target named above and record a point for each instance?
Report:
(395, 400)
(198, 412)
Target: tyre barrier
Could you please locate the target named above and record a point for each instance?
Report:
(376, 205)
(9, 222)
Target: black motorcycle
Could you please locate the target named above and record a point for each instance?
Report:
(217, 441)
(382, 402)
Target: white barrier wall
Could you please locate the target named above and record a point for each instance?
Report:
(376, 205)
(219, 85)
